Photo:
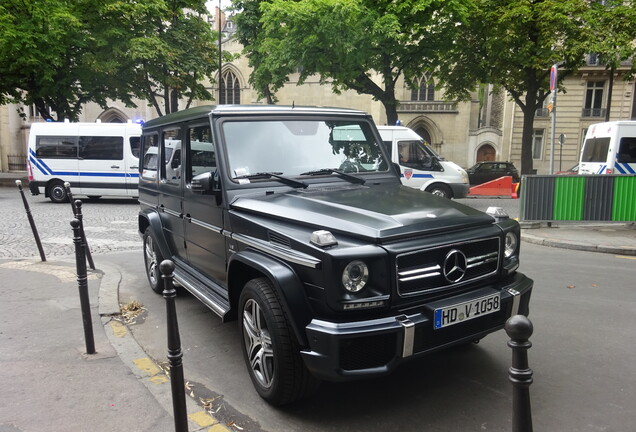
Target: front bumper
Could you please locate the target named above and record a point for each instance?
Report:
(343, 351)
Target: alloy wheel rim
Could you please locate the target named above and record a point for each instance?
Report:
(258, 343)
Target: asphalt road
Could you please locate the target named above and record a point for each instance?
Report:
(582, 309)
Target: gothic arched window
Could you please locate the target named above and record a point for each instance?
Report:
(424, 89)
(230, 89)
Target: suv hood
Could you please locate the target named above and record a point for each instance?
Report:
(379, 212)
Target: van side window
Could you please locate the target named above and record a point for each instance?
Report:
(101, 147)
(627, 150)
(135, 142)
(201, 157)
(61, 147)
(151, 156)
(171, 146)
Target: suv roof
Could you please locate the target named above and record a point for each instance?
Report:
(248, 109)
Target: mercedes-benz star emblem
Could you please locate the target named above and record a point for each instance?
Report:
(455, 266)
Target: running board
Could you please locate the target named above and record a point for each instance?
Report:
(219, 305)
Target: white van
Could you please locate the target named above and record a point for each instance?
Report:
(97, 159)
(421, 167)
(609, 148)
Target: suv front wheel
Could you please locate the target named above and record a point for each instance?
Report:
(269, 347)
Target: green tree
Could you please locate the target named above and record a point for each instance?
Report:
(348, 43)
(612, 30)
(60, 55)
(513, 44)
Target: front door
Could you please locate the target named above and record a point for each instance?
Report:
(203, 213)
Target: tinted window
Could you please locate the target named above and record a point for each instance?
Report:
(595, 150)
(202, 156)
(135, 142)
(627, 150)
(101, 148)
(171, 144)
(151, 155)
(56, 147)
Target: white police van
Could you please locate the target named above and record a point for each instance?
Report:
(97, 159)
(421, 167)
(609, 148)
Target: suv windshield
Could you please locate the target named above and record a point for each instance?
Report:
(301, 147)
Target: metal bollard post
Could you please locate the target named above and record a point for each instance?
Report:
(175, 355)
(31, 221)
(519, 329)
(67, 186)
(82, 284)
(79, 216)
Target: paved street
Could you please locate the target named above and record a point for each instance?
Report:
(110, 225)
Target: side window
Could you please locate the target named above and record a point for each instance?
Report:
(60, 147)
(101, 147)
(201, 156)
(151, 156)
(627, 150)
(135, 142)
(171, 143)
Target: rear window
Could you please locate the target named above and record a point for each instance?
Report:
(595, 150)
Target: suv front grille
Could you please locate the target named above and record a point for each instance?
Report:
(446, 266)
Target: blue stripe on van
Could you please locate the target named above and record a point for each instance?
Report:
(420, 175)
(624, 168)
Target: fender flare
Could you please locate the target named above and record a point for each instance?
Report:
(286, 283)
(151, 219)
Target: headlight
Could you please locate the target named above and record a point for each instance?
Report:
(355, 276)
(511, 244)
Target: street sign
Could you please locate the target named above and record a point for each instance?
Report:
(553, 77)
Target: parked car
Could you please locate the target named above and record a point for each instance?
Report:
(293, 221)
(570, 171)
(483, 172)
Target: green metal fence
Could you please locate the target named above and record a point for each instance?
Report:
(610, 198)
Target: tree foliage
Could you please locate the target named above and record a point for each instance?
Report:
(347, 42)
(513, 44)
(60, 55)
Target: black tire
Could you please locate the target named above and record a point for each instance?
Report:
(440, 190)
(57, 192)
(152, 259)
(270, 349)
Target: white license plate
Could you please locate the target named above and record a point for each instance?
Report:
(458, 313)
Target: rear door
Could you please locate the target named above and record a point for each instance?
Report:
(170, 191)
(131, 164)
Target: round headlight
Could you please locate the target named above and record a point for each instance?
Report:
(511, 244)
(354, 276)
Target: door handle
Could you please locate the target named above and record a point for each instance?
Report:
(188, 217)
(114, 166)
(133, 167)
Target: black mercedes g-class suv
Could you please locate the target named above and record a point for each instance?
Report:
(293, 221)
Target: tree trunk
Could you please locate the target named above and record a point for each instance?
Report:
(528, 131)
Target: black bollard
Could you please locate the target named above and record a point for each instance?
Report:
(82, 284)
(69, 194)
(519, 329)
(31, 221)
(79, 216)
(175, 355)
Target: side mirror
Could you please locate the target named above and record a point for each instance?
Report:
(206, 182)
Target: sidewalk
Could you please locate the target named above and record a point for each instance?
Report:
(613, 238)
(50, 383)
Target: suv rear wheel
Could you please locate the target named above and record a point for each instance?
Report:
(152, 259)
(270, 349)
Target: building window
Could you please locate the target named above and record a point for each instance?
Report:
(230, 89)
(423, 89)
(594, 99)
(33, 111)
(537, 144)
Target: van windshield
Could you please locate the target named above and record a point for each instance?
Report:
(301, 147)
(595, 150)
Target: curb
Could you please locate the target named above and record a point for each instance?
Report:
(566, 244)
(144, 368)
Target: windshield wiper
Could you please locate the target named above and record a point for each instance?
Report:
(343, 175)
(277, 175)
